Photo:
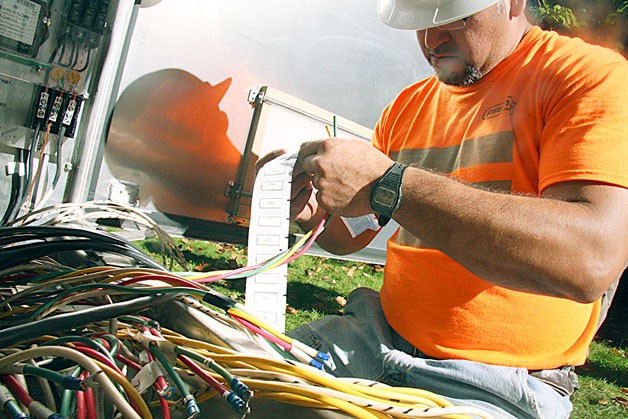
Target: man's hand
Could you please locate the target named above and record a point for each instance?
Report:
(303, 205)
(343, 172)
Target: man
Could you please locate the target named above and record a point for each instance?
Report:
(510, 189)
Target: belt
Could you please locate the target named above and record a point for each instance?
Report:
(564, 380)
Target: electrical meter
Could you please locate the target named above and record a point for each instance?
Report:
(23, 25)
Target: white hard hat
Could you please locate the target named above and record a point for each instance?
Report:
(422, 14)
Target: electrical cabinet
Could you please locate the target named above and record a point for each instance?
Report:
(52, 54)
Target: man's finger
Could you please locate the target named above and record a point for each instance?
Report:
(268, 157)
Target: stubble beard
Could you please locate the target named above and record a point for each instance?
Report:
(469, 76)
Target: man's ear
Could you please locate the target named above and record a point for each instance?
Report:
(517, 7)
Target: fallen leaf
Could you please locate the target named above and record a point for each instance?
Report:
(200, 267)
(624, 390)
(291, 310)
(341, 300)
(603, 402)
(620, 401)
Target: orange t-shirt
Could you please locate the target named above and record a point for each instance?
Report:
(553, 111)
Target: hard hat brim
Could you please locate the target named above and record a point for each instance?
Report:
(423, 14)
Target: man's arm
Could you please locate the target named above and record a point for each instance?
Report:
(571, 243)
(306, 211)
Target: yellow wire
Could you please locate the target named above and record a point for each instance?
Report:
(350, 408)
(86, 271)
(292, 250)
(260, 323)
(276, 263)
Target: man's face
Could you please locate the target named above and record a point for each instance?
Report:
(462, 57)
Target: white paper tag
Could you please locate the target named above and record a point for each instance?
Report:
(268, 236)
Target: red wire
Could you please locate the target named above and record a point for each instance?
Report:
(81, 409)
(90, 401)
(215, 384)
(169, 279)
(263, 333)
(128, 362)
(17, 389)
(165, 408)
(93, 353)
(102, 358)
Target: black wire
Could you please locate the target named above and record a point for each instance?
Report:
(16, 334)
(87, 58)
(21, 254)
(55, 180)
(16, 188)
(12, 235)
(28, 177)
(75, 53)
(25, 243)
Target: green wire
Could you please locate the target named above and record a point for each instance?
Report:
(66, 399)
(205, 361)
(178, 381)
(113, 342)
(46, 373)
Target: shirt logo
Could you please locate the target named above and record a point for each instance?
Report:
(496, 110)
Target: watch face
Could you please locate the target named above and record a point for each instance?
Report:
(385, 196)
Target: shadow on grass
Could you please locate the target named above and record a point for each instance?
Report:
(614, 334)
(616, 376)
(304, 296)
(615, 327)
(194, 258)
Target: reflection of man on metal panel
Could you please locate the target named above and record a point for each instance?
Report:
(169, 135)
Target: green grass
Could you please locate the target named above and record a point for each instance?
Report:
(319, 286)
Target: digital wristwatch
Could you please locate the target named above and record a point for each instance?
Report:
(386, 193)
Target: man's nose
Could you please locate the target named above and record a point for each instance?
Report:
(433, 37)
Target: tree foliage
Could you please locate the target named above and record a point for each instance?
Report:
(603, 22)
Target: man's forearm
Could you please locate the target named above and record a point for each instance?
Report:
(563, 247)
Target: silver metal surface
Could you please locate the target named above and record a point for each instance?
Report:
(181, 121)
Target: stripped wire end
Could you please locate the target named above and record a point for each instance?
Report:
(90, 381)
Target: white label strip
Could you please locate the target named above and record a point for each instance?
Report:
(269, 228)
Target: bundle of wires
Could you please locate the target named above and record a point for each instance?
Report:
(83, 337)
(82, 213)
